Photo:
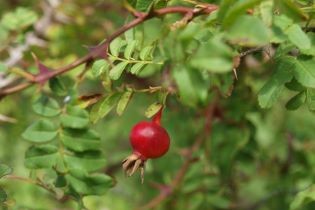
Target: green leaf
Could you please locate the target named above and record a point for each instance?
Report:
(248, 31)
(297, 101)
(100, 67)
(75, 117)
(144, 5)
(271, 91)
(310, 97)
(80, 140)
(5, 170)
(290, 9)
(238, 9)
(46, 106)
(85, 163)
(294, 86)
(3, 196)
(57, 87)
(225, 5)
(148, 71)
(146, 52)
(283, 22)
(214, 56)
(116, 45)
(41, 156)
(103, 107)
(123, 101)
(135, 69)
(193, 88)
(190, 31)
(311, 50)
(298, 37)
(19, 19)
(303, 68)
(214, 65)
(153, 109)
(159, 4)
(302, 198)
(130, 49)
(84, 184)
(266, 12)
(116, 72)
(40, 132)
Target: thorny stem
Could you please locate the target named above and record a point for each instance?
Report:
(101, 51)
(178, 179)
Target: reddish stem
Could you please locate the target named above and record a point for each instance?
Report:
(157, 117)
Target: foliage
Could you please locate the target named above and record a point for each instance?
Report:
(236, 80)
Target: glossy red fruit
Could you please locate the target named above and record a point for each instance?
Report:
(148, 140)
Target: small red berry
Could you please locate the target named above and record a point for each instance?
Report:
(148, 140)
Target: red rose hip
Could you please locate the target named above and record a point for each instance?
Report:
(148, 140)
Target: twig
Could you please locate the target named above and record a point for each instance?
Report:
(4, 118)
(30, 181)
(101, 51)
(252, 50)
(14, 89)
(178, 179)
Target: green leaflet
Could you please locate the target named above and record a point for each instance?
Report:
(82, 183)
(84, 162)
(47, 107)
(103, 107)
(144, 5)
(271, 91)
(75, 117)
(117, 70)
(131, 46)
(303, 68)
(41, 156)
(153, 109)
(296, 101)
(57, 86)
(116, 45)
(214, 56)
(99, 67)
(19, 19)
(123, 101)
(80, 140)
(40, 132)
(248, 31)
(193, 89)
(236, 10)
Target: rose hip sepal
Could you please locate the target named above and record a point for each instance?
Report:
(148, 140)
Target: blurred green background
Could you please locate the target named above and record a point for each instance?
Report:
(254, 159)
